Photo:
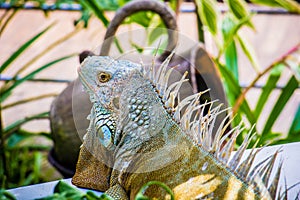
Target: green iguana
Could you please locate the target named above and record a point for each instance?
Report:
(141, 131)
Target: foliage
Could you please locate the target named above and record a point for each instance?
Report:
(24, 169)
(20, 154)
(13, 136)
(289, 5)
(146, 19)
(225, 32)
(5, 195)
(96, 8)
(63, 190)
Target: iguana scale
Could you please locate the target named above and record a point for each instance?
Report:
(141, 131)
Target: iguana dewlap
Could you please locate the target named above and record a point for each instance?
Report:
(137, 134)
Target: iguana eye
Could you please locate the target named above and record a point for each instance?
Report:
(104, 77)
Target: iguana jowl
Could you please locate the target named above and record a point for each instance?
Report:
(137, 134)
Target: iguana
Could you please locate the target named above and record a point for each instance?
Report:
(140, 131)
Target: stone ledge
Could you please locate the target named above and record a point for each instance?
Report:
(290, 171)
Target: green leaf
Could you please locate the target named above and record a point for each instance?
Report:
(37, 166)
(269, 86)
(155, 33)
(230, 28)
(271, 138)
(208, 12)
(293, 62)
(96, 8)
(239, 10)
(232, 87)
(91, 196)
(111, 5)
(17, 53)
(65, 191)
(285, 95)
(161, 48)
(5, 195)
(156, 30)
(230, 52)
(105, 197)
(271, 3)
(21, 135)
(200, 29)
(62, 186)
(295, 127)
(231, 59)
(140, 18)
(249, 52)
(85, 17)
(138, 48)
(52, 197)
(233, 90)
(174, 4)
(69, 195)
(122, 2)
(228, 25)
(118, 45)
(15, 139)
(294, 132)
(20, 122)
(7, 92)
(140, 195)
(289, 5)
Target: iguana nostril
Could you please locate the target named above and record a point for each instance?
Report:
(116, 103)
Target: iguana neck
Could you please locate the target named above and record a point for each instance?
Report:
(104, 125)
(147, 129)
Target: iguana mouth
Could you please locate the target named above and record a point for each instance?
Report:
(84, 82)
(89, 89)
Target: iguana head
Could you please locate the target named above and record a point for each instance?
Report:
(104, 79)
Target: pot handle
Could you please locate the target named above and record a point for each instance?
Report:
(158, 7)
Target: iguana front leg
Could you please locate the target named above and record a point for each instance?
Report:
(91, 172)
(117, 192)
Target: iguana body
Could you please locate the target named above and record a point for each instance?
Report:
(137, 135)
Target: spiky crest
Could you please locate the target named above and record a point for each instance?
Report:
(189, 114)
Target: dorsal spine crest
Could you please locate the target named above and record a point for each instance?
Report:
(190, 117)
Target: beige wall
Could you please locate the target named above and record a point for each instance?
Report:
(274, 36)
